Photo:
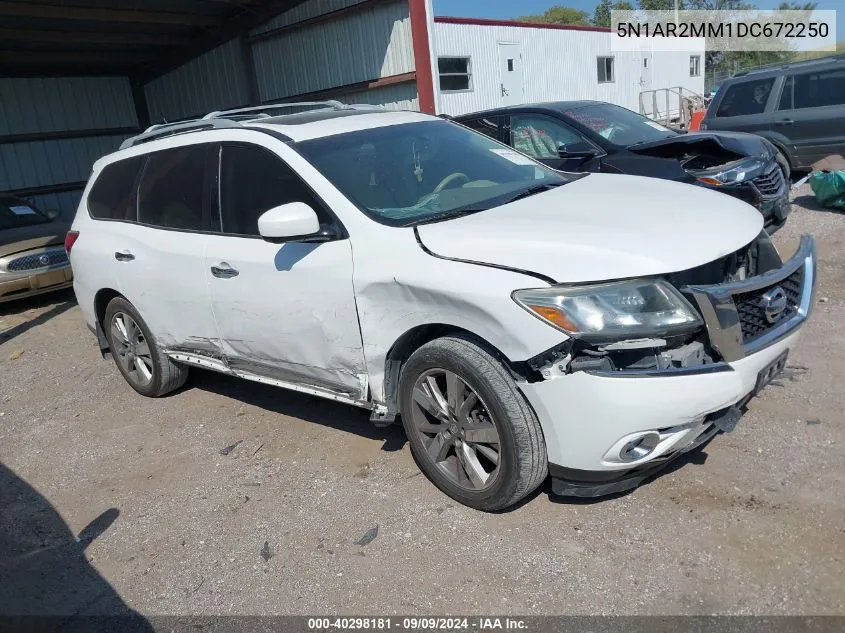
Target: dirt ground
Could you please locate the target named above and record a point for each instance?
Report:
(754, 524)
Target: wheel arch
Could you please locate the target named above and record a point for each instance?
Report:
(101, 300)
(414, 338)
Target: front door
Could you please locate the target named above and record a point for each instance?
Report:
(510, 73)
(552, 142)
(284, 311)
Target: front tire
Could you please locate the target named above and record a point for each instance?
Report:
(469, 428)
(144, 366)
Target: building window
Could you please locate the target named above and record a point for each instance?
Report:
(695, 65)
(455, 74)
(645, 62)
(606, 73)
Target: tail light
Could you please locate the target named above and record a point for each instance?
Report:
(70, 240)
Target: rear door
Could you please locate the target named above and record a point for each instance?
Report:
(489, 126)
(159, 259)
(811, 114)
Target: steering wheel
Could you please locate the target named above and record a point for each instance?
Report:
(449, 179)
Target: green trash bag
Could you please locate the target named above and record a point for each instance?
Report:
(829, 188)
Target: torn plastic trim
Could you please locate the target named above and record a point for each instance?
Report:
(530, 273)
(219, 366)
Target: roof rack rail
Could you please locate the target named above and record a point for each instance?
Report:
(170, 129)
(798, 64)
(217, 114)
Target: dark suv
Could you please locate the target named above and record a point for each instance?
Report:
(799, 107)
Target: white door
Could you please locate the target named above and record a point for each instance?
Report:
(510, 73)
(284, 311)
(645, 70)
(160, 261)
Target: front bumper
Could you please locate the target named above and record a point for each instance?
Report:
(589, 417)
(34, 283)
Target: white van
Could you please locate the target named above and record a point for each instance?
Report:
(521, 321)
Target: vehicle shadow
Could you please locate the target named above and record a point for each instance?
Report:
(336, 415)
(46, 582)
(809, 202)
(697, 457)
(61, 301)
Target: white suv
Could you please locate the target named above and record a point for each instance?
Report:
(521, 321)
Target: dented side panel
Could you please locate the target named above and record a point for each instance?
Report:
(167, 283)
(290, 313)
(399, 287)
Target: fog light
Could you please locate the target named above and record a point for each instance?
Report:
(639, 447)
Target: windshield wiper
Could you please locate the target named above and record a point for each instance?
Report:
(446, 215)
(530, 191)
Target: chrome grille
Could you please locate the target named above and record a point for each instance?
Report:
(735, 312)
(33, 261)
(771, 182)
(752, 314)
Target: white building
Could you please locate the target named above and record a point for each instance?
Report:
(482, 64)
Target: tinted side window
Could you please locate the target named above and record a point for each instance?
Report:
(819, 89)
(541, 137)
(488, 127)
(254, 180)
(172, 186)
(748, 97)
(113, 195)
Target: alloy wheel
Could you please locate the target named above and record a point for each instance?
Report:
(456, 428)
(132, 349)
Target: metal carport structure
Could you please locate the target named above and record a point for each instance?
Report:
(79, 76)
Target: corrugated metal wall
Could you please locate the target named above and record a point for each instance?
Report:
(304, 11)
(366, 45)
(46, 105)
(396, 97)
(210, 82)
(362, 46)
(557, 65)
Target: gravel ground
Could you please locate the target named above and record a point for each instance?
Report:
(754, 524)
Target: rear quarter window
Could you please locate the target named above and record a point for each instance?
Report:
(747, 97)
(113, 195)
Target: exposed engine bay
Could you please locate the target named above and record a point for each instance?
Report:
(656, 353)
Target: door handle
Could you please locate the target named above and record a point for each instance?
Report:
(784, 122)
(224, 271)
(124, 256)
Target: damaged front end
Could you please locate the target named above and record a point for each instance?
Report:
(684, 331)
(744, 166)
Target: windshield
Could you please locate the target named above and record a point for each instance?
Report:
(619, 126)
(15, 213)
(406, 174)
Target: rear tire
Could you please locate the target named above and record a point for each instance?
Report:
(470, 429)
(147, 369)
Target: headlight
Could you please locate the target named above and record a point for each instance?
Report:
(731, 173)
(626, 309)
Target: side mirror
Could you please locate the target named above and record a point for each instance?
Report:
(584, 153)
(54, 214)
(291, 222)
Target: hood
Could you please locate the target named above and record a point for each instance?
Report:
(727, 145)
(23, 238)
(601, 227)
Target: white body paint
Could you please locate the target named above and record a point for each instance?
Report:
(322, 318)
